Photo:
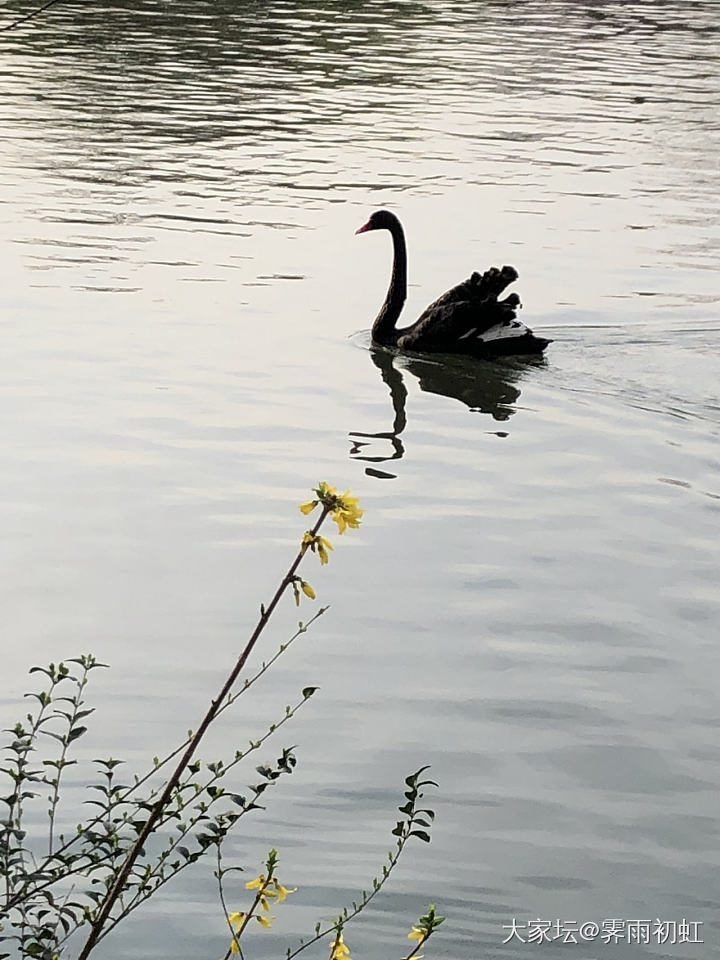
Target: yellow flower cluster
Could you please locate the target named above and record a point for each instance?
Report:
(268, 889)
(343, 508)
(339, 950)
(348, 513)
(315, 542)
(237, 919)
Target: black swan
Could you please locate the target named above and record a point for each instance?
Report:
(468, 319)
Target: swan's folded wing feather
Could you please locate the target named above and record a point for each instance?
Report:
(477, 288)
(460, 317)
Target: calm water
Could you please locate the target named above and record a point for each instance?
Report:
(531, 605)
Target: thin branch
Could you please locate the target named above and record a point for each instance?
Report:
(248, 916)
(140, 897)
(16, 899)
(406, 831)
(61, 762)
(223, 904)
(29, 16)
(215, 705)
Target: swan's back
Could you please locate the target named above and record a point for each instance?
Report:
(471, 319)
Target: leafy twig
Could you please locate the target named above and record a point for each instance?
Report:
(121, 878)
(59, 856)
(404, 829)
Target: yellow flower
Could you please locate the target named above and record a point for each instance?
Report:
(265, 921)
(339, 950)
(280, 891)
(309, 506)
(316, 543)
(323, 546)
(417, 934)
(257, 884)
(351, 503)
(309, 592)
(236, 919)
(347, 512)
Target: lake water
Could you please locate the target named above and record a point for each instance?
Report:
(531, 604)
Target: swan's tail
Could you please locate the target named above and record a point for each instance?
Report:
(501, 342)
(504, 335)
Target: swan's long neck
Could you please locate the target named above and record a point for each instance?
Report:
(383, 330)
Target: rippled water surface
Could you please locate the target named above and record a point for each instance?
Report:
(531, 603)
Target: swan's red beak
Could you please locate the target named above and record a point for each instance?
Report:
(364, 227)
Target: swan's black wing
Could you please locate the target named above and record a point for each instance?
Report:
(479, 288)
(470, 318)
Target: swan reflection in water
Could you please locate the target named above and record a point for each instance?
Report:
(491, 390)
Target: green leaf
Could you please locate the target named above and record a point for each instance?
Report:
(421, 834)
(55, 736)
(75, 733)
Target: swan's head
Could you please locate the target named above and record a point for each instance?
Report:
(380, 220)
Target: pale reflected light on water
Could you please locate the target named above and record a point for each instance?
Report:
(531, 604)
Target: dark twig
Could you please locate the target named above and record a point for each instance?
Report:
(29, 16)
(27, 890)
(118, 884)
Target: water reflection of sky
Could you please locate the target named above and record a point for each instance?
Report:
(184, 325)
